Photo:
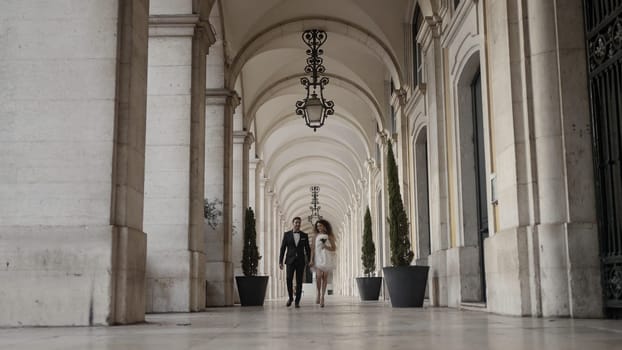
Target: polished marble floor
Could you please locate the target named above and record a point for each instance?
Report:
(344, 323)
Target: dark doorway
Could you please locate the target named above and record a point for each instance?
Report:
(480, 176)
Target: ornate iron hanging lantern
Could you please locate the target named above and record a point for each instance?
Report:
(315, 208)
(314, 108)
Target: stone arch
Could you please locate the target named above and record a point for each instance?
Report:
(325, 140)
(329, 24)
(348, 121)
(293, 80)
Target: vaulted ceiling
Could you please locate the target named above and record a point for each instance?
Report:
(364, 52)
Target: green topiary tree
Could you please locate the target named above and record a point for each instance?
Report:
(250, 254)
(401, 253)
(369, 249)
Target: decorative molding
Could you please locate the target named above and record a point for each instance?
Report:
(250, 138)
(456, 25)
(416, 97)
(382, 138)
(370, 163)
(401, 95)
(606, 44)
(239, 137)
(430, 30)
(613, 281)
(222, 97)
(172, 25)
(182, 26)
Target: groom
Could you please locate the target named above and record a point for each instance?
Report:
(298, 250)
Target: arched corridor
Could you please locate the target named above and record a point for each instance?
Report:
(134, 135)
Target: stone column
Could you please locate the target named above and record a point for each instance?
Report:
(128, 239)
(546, 215)
(435, 58)
(253, 164)
(281, 287)
(220, 106)
(358, 234)
(249, 164)
(370, 192)
(404, 159)
(385, 254)
(174, 162)
(260, 215)
(276, 236)
(567, 233)
(72, 134)
(239, 183)
(269, 239)
(348, 242)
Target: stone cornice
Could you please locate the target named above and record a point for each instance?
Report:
(430, 29)
(222, 97)
(172, 25)
(182, 26)
(250, 138)
(239, 137)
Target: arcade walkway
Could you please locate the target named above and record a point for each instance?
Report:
(343, 324)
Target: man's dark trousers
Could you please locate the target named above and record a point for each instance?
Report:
(297, 266)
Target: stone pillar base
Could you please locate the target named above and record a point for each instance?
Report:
(507, 273)
(437, 278)
(197, 281)
(71, 275)
(219, 286)
(463, 275)
(169, 281)
(129, 256)
(570, 270)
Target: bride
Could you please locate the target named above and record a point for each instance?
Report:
(323, 257)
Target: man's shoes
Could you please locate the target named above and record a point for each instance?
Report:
(289, 303)
(297, 306)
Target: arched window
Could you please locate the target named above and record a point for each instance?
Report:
(417, 51)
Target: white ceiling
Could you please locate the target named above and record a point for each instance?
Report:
(363, 52)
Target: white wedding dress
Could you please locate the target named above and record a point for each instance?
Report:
(324, 258)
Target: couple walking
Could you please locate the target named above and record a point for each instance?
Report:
(319, 255)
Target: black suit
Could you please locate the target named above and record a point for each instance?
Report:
(296, 260)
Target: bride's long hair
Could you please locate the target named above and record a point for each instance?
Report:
(329, 228)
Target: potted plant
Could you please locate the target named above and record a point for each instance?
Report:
(251, 288)
(406, 283)
(369, 286)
